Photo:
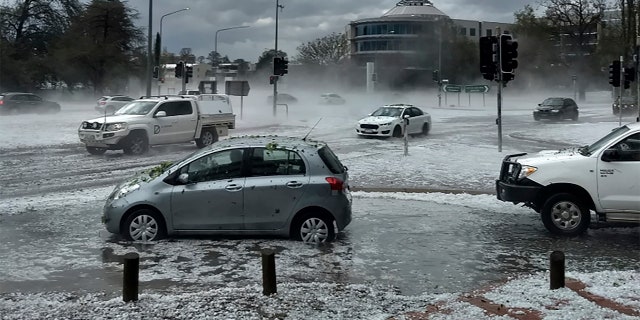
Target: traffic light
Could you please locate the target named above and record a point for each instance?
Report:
(179, 69)
(435, 76)
(508, 54)
(189, 72)
(280, 66)
(273, 79)
(614, 73)
(629, 76)
(156, 72)
(488, 58)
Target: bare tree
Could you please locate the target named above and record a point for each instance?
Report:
(324, 51)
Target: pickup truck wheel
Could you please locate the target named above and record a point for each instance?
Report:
(397, 132)
(207, 137)
(565, 214)
(136, 144)
(96, 151)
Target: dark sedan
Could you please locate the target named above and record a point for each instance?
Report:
(18, 102)
(556, 109)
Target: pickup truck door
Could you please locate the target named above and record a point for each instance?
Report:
(179, 124)
(213, 198)
(619, 179)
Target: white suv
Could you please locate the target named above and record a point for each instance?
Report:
(111, 104)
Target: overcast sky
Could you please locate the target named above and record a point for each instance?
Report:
(299, 22)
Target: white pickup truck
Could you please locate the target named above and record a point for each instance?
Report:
(158, 120)
(565, 186)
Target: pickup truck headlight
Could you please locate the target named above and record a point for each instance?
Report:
(116, 126)
(526, 171)
(124, 190)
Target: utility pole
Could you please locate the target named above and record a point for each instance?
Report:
(275, 80)
(149, 51)
(499, 73)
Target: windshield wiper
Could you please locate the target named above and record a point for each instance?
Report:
(584, 150)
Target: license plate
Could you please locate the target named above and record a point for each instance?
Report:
(367, 131)
(89, 137)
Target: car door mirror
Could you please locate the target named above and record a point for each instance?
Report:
(183, 178)
(161, 114)
(610, 155)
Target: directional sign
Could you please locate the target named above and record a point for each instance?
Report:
(476, 88)
(452, 88)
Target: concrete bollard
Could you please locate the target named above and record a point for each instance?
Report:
(268, 272)
(556, 270)
(130, 277)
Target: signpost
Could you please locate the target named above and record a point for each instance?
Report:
(476, 89)
(237, 88)
(452, 88)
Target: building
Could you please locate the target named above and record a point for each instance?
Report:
(405, 44)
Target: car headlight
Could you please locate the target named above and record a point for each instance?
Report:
(555, 110)
(385, 124)
(526, 171)
(124, 190)
(116, 126)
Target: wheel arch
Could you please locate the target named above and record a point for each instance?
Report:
(556, 188)
(135, 208)
(302, 212)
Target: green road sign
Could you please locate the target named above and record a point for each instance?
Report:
(452, 88)
(476, 88)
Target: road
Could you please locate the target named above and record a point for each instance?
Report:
(53, 191)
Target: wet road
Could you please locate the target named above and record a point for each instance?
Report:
(53, 191)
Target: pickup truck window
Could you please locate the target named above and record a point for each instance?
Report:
(176, 108)
(604, 140)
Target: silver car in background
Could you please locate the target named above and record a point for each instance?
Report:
(110, 104)
(282, 186)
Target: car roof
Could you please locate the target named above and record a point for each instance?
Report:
(269, 142)
(398, 105)
(114, 96)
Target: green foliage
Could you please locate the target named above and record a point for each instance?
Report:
(330, 49)
(265, 61)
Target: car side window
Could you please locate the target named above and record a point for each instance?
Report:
(220, 165)
(34, 98)
(176, 108)
(184, 108)
(629, 148)
(266, 162)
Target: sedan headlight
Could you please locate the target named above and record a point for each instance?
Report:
(385, 124)
(124, 190)
(526, 171)
(116, 126)
(555, 110)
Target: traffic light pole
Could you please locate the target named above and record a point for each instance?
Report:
(499, 74)
(620, 90)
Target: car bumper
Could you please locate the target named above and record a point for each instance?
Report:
(516, 193)
(547, 115)
(101, 139)
(380, 132)
(112, 213)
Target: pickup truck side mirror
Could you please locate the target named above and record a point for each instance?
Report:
(183, 177)
(160, 114)
(610, 155)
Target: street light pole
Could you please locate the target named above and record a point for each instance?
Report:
(215, 43)
(275, 80)
(149, 40)
(160, 70)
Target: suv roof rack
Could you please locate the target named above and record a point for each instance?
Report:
(166, 96)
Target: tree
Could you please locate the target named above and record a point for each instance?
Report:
(102, 47)
(265, 61)
(324, 51)
(187, 56)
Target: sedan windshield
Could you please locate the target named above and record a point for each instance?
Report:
(387, 112)
(588, 150)
(136, 108)
(553, 102)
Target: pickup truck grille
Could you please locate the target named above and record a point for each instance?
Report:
(369, 126)
(510, 169)
(91, 125)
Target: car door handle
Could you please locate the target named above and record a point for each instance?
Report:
(233, 187)
(294, 184)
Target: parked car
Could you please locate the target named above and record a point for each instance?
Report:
(283, 98)
(629, 105)
(331, 98)
(19, 102)
(556, 109)
(111, 104)
(387, 121)
(251, 185)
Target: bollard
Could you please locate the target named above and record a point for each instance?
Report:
(268, 272)
(130, 277)
(556, 270)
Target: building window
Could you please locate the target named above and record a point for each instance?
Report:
(463, 31)
(472, 32)
(489, 32)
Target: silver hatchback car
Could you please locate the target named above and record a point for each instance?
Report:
(270, 185)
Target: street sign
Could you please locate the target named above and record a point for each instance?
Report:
(452, 88)
(237, 88)
(476, 88)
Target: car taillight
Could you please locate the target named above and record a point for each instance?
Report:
(335, 183)
(103, 102)
(1, 102)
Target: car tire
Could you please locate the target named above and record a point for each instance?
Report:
(207, 137)
(397, 132)
(425, 129)
(144, 225)
(136, 144)
(314, 228)
(536, 118)
(575, 117)
(565, 214)
(96, 151)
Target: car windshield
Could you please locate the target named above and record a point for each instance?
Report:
(387, 112)
(588, 150)
(136, 108)
(553, 102)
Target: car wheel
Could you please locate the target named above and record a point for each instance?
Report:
(565, 214)
(144, 225)
(397, 132)
(314, 228)
(96, 151)
(207, 137)
(536, 118)
(575, 117)
(136, 144)
(425, 128)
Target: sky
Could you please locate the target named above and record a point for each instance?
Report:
(520, 296)
(299, 22)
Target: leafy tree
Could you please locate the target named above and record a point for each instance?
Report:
(102, 47)
(327, 50)
(214, 58)
(187, 56)
(265, 61)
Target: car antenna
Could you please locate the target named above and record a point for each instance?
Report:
(314, 126)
